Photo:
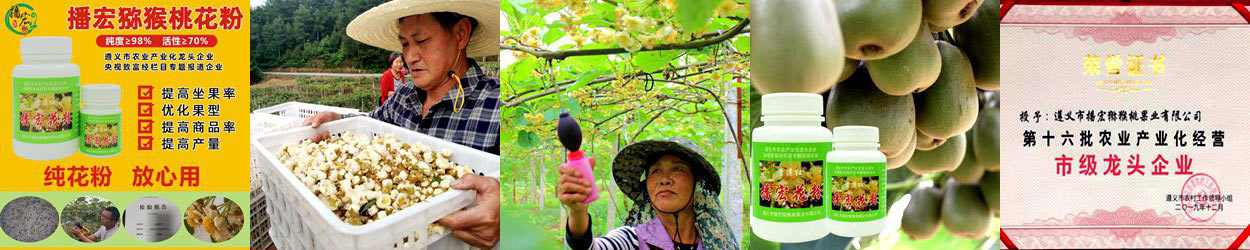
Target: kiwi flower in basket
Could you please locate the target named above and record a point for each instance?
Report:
(445, 93)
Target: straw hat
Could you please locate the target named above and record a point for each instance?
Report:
(379, 27)
(631, 164)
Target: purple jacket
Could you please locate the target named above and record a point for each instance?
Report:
(653, 233)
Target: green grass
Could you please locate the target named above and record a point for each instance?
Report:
(359, 93)
(547, 219)
(349, 92)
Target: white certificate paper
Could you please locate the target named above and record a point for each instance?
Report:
(1125, 126)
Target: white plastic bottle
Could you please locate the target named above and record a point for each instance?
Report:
(788, 154)
(856, 177)
(101, 120)
(45, 100)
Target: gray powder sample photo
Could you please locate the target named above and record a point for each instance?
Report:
(28, 219)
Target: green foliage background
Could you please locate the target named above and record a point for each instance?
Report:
(628, 71)
(310, 33)
(85, 210)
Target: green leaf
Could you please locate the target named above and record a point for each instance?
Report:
(511, 8)
(506, 136)
(597, 21)
(526, 139)
(654, 60)
(588, 63)
(522, 70)
(694, 14)
(551, 114)
(518, 115)
(573, 106)
(552, 35)
(364, 209)
(584, 78)
(743, 44)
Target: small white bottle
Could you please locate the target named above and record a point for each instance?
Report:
(101, 120)
(856, 179)
(45, 100)
(788, 154)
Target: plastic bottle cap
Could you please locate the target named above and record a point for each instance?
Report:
(46, 45)
(792, 104)
(102, 93)
(855, 134)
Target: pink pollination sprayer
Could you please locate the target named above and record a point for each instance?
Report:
(570, 135)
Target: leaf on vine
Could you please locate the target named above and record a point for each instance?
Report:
(551, 114)
(743, 44)
(584, 78)
(654, 60)
(517, 114)
(694, 14)
(553, 34)
(573, 106)
(589, 63)
(522, 70)
(526, 139)
(509, 7)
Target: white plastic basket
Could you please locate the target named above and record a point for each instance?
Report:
(282, 117)
(302, 110)
(260, 220)
(263, 124)
(299, 220)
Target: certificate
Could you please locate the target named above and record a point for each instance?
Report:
(1125, 126)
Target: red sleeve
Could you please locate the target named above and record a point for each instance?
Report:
(388, 84)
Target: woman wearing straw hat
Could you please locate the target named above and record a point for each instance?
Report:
(447, 95)
(674, 190)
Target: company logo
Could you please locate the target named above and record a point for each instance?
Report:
(21, 19)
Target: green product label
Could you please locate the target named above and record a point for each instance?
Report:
(45, 109)
(100, 134)
(855, 191)
(786, 181)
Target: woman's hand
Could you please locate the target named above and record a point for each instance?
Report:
(572, 191)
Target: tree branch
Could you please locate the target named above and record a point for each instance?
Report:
(725, 113)
(626, 111)
(521, 98)
(562, 54)
(605, 120)
(592, 105)
(644, 125)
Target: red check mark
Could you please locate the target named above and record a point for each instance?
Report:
(145, 92)
(145, 126)
(145, 143)
(145, 109)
